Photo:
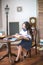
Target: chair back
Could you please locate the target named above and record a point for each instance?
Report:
(33, 27)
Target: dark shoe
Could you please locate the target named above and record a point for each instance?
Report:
(17, 60)
(25, 56)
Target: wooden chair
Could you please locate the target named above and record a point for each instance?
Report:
(34, 34)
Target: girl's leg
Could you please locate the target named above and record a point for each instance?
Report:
(19, 52)
(24, 52)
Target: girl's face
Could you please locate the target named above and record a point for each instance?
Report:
(23, 26)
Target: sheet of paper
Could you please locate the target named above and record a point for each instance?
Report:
(13, 39)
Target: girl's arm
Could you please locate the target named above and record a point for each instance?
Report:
(24, 37)
(16, 35)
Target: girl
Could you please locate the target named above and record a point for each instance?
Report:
(26, 42)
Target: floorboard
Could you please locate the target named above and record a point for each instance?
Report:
(34, 60)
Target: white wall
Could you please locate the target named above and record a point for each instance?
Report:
(0, 16)
(28, 9)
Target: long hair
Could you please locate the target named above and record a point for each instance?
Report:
(28, 27)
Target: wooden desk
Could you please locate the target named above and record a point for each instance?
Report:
(9, 54)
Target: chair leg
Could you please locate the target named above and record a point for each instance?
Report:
(30, 53)
(21, 53)
(36, 50)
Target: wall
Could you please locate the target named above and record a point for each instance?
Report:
(40, 17)
(28, 9)
(0, 16)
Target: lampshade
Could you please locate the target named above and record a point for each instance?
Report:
(7, 9)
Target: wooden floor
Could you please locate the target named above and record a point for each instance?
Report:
(34, 60)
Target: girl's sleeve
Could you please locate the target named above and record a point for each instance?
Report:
(29, 36)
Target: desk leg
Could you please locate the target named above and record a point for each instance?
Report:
(3, 57)
(9, 54)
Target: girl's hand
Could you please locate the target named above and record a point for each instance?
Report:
(22, 37)
(16, 35)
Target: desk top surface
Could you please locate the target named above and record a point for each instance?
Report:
(6, 39)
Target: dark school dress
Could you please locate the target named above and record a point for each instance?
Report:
(26, 44)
